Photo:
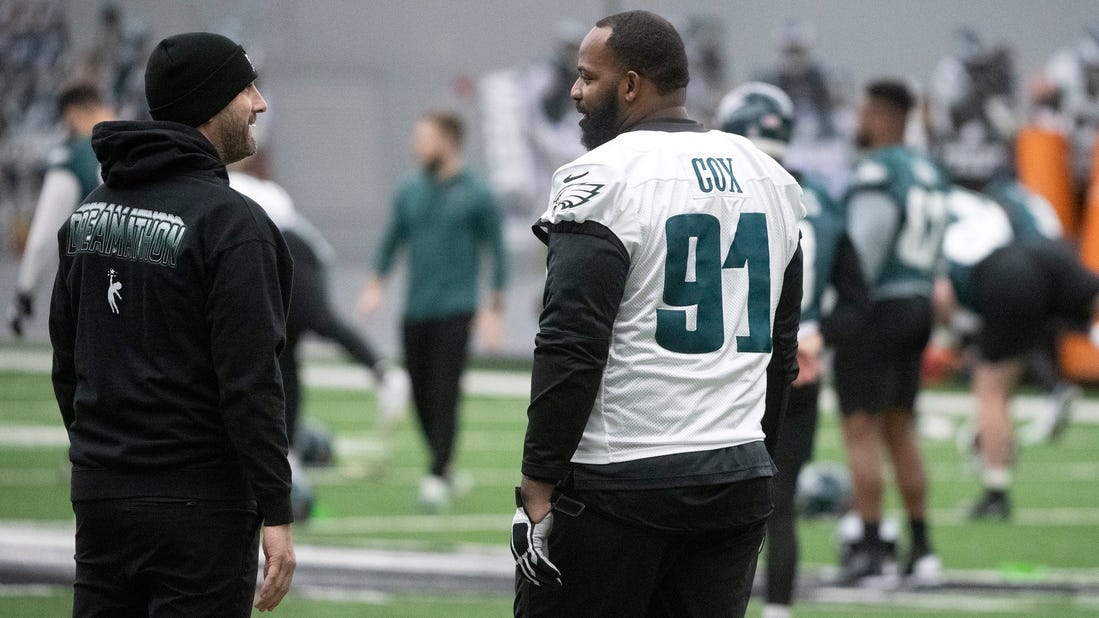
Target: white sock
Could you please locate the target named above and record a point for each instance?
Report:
(998, 479)
(1094, 334)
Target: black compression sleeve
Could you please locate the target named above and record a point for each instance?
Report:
(783, 367)
(586, 275)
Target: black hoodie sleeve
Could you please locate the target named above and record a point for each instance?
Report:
(783, 367)
(586, 276)
(62, 324)
(246, 308)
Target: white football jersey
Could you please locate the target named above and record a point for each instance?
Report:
(710, 224)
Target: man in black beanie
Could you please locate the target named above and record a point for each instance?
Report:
(168, 315)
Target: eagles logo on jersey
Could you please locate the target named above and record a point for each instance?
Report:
(576, 194)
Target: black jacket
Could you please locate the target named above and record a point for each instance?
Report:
(168, 315)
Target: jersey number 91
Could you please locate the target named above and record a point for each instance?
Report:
(692, 280)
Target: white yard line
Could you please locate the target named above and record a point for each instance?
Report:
(517, 384)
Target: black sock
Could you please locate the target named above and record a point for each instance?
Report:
(870, 532)
(918, 527)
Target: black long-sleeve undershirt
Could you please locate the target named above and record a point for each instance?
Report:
(586, 276)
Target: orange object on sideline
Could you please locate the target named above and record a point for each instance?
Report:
(1042, 158)
(1079, 358)
(1089, 231)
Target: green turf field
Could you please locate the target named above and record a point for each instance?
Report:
(367, 498)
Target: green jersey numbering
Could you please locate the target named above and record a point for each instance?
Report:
(692, 279)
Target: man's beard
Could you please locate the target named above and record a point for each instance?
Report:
(433, 165)
(862, 140)
(600, 125)
(237, 141)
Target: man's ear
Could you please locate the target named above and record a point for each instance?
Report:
(631, 86)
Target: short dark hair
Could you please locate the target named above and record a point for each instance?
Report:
(450, 125)
(78, 94)
(648, 44)
(893, 92)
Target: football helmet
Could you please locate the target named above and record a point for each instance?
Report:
(824, 489)
(761, 112)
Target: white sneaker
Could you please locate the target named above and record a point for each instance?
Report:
(392, 397)
(1051, 425)
(434, 494)
(461, 483)
(926, 572)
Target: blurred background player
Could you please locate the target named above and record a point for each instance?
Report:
(896, 215)
(73, 173)
(820, 145)
(973, 119)
(311, 309)
(530, 126)
(763, 113)
(972, 114)
(1074, 75)
(445, 216)
(1018, 285)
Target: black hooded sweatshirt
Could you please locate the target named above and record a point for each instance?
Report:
(167, 318)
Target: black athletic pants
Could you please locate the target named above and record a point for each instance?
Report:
(435, 356)
(311, 310)
(161, 557)
(794, 449)
(610, 567)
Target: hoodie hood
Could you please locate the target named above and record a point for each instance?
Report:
(133, 153)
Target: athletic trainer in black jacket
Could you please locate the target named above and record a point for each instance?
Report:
(167, 319)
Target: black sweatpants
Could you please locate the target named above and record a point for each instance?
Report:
(161, 557)
(794, 449)
(435, 357)
(611, 567)
(311, 310)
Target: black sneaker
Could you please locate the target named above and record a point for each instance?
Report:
(993, 506)
(866, 559)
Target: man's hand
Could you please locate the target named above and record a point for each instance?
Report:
(371, 297)
(278, 567)
(490, 330)
(810, 349)
(529, 540)
(22, 307)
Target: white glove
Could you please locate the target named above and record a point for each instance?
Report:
(529, 547)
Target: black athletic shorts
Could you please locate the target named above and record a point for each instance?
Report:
(1020, 288)
(879, 369)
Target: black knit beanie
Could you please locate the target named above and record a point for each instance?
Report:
(192, 76)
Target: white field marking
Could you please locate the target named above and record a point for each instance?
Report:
(33, 435)
(376, 524)
(33, 590)
(953, 602)
(517, 384)
(352, 473)
(946, 517)
(341, 595)
(495, 560)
